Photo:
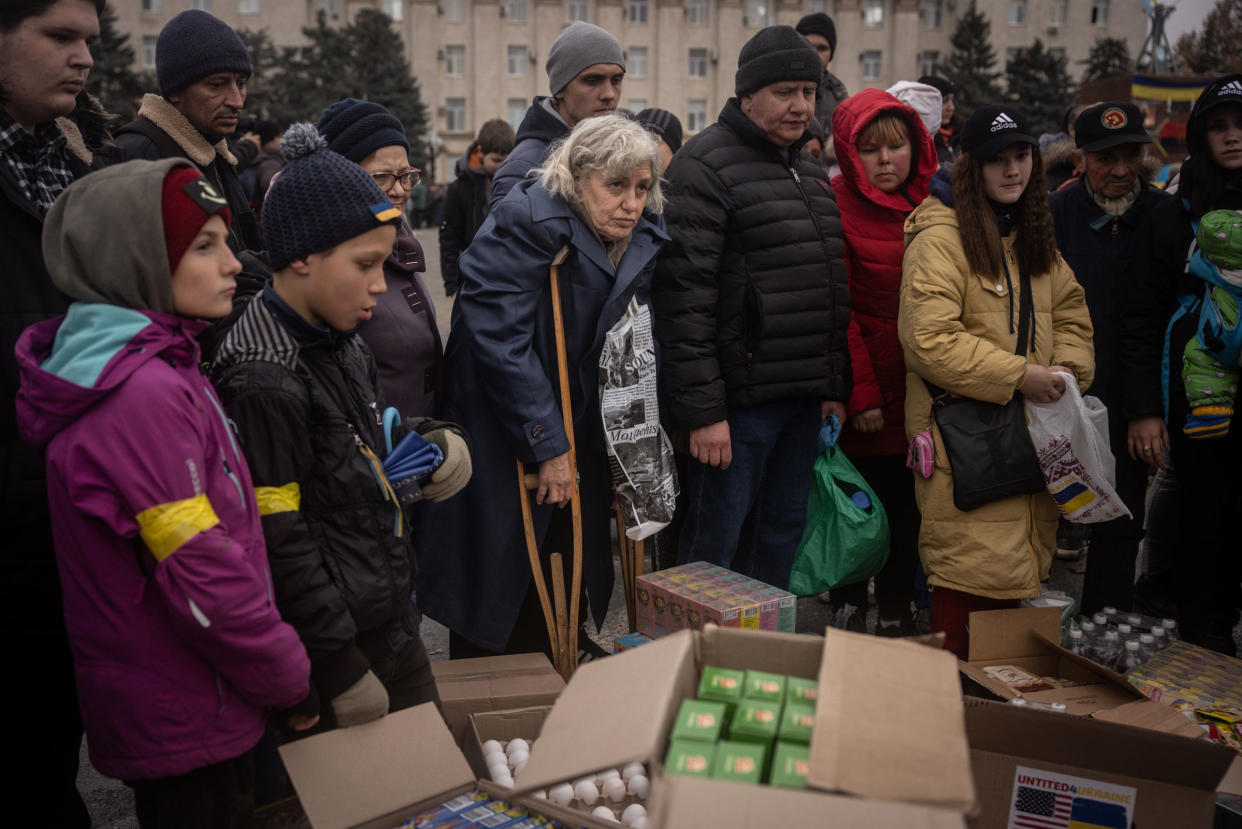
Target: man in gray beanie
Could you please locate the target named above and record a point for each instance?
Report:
(585, 68)
(202, 67)
(752, 307)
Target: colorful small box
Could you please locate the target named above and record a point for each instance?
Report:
(797, 723)
(799, 691)
(755, 721)
(448, 810)
(722, 685)
(699, 720)
(690, 758)
(765, 686)
(789, 765)
(739, 762)
(691, 595)
(629, 641)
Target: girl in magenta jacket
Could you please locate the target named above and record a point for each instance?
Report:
(887, 159)
(178, 648)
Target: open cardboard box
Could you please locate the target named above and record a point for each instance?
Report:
(501, 726)
(1097, 773)
(493, 683)
(889, 728)
(377, 775)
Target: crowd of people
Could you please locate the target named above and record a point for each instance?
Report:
(207, 556)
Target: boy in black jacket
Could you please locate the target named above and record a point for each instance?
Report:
(302, 390)
(465, 204)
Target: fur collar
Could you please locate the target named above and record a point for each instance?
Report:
(168, 118)
(74, 142)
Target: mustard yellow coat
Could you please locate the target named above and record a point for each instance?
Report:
(954, 330)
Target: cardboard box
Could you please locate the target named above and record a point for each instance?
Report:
(629, 640)
(755, 721)
(692, 758)
(375, 776)
(502, 726)
(699, 719)
(740, 762)
(889, 725)
(494, 683)
(790, 762)
(1062, 767)
(689, 596)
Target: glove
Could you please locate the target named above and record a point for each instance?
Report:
(454, 472)
(362, 702)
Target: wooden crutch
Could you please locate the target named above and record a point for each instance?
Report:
(562, 625)
(632, 566)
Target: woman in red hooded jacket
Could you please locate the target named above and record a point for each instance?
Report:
(887, 159)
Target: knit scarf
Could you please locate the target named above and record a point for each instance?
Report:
(1119, 205)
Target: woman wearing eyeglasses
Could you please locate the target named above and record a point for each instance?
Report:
(402, 332)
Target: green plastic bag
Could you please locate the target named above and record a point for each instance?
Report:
(843, 542)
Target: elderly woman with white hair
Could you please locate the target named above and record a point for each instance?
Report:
(597, 199)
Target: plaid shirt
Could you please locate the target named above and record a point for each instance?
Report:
(39, 162)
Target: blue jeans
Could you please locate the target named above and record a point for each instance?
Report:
(754, 510)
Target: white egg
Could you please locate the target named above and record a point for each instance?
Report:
(632, 769)
(539, 795)
(590, 779)
(496, 758)
(561, 794)
(607, 774)
(587, 792)
(504, 780)
(614, 789)
(490, 746)
(639, 786)
(639, 823)
(519, 766)
(497, 770)
(632, 813)
(518, 756)
(517, 743)
(605, 813)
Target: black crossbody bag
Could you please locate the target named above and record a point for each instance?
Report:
(988, 445)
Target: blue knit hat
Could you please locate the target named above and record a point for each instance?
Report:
(193, 45)
(319, 200)
(355, 129)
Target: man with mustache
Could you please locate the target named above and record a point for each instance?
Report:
(202, 67)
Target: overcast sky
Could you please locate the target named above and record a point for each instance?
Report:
(1187, 16)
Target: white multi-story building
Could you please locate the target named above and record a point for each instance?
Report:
(480, 59)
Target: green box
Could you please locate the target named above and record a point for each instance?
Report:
(755, 721)
(699, 720)
(721, 685)
(765, 686)
(789, 764)
(739, 762)
(800, 691)
(797, 722)
(690, 758)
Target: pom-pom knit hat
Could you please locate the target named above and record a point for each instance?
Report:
(319, 200)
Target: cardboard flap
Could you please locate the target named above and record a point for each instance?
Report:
(493, 683)
(1143, 713)
(889, 724)
(997, 635)
(349, 776)
(613, 711)
(700, 803)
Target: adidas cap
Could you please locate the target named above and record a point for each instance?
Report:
(1224, 90)
(994, 127)
(1101, 126)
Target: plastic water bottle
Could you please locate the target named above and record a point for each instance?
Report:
(1109, 652)
(1135, 620)
(1101, 621)
(1147, 646)
(1170, 628)
(1132, 657)
(1161, 636)
(1077, 642)
(1127, 632)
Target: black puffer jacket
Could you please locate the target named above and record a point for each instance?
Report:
(305, 404)
(751, 297)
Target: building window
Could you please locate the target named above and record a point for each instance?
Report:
(929, 63)
(152, 6)
(516, 111)
(455, 115)
(454, 10)
(455, 61)
(394, 8)
(638, 11)
(873, 13)
(636, 62)
(757, 14)
(1058, 12)
(579, 10)
(1017, 12)
(247, 6)
(698, 63)
(1099, 12)
(871, 65)
(696, 13)
(331, 7)
(201, 5)
(816, 6)
(1011, 54)
(931, 11)
(636, 105)
(515, 11)
(148, 51)
(696, 115)
(517, 60)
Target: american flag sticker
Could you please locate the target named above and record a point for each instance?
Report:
(1048, 800)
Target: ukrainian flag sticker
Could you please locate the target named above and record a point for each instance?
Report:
(385, 212)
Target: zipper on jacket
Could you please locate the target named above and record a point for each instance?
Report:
(1115, 230)
(819, 231)
(228, 470)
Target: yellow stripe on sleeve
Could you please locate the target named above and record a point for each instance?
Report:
(273, 499)
(166, 527)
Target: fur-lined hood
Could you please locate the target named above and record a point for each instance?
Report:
(1058, 152)
(169, 119)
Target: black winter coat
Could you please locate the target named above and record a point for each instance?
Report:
(751, 297)
(465, 208)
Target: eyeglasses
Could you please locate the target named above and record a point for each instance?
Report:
(409, 179)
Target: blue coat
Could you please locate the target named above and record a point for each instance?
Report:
(500, 374)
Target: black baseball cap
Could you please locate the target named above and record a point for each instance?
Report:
(992, 128)
(1101, 126)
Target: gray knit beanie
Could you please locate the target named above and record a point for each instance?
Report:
(355, 129)
(193, 45)
(319, 200)
(578, 46)
(776, 53)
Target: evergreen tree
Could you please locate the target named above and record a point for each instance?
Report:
(382, 74)
(1109, 58)
(112, 79)
(262, 90)
(1040, 86)
(970, 64)
(1216, 49)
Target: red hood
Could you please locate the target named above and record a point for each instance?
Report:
(849, 119)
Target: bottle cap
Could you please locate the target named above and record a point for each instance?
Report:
(1132, 645)
(861, 500)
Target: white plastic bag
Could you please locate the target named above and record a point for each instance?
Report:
(1071, 441)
